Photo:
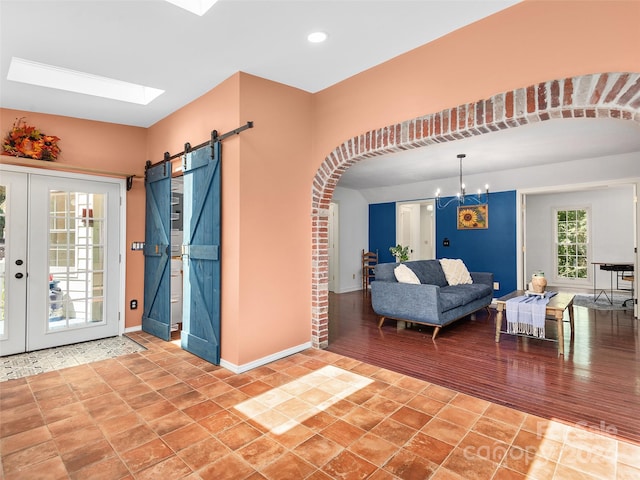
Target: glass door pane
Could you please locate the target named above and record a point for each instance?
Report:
(76, 259)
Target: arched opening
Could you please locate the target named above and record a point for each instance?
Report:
(604, 95)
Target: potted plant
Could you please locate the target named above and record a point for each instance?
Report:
(401, 253)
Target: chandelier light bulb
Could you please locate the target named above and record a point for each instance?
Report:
(317, 37)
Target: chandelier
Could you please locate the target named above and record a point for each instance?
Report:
(461, 197)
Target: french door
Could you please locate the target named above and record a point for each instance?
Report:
(60, 263)
(13, 257)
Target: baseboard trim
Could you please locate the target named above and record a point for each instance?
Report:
(348, 290)
(133, 329)
(264, 360)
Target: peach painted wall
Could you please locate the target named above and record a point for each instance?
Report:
(531, 42)
(266, 224)
(275, 222)
(105, 146)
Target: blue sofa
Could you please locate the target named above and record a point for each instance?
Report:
(433, 302)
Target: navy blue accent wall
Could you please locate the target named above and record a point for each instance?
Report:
(487, 250)
(382, 230)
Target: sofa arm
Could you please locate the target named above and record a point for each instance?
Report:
(420, 303)
(482, 277)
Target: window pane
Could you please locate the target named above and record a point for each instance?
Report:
(562, 232)
(572, 243)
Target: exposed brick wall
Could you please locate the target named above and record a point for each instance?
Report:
(605, 95)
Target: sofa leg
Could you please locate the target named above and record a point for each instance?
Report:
(435, 332)
(381, 321)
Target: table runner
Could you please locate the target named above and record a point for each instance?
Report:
(526, 314)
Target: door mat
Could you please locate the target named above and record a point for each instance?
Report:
(603, 302)
(47, 360)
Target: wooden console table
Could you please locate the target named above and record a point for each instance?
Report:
(555, 308)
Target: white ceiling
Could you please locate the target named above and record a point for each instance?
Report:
(155, 43)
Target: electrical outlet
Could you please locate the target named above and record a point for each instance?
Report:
(354, 276)
(496, 285)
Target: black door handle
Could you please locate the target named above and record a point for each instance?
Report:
(19, 275)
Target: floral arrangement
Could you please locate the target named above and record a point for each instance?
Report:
(26, 141)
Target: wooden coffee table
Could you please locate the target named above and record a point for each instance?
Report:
(555, 308)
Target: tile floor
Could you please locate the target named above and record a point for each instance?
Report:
(164, 413)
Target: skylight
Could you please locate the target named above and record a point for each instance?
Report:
(50, 76)
(199, 7)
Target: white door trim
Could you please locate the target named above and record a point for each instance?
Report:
(121, 182)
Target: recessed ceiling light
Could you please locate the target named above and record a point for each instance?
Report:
(199, 7)
(50, 76)
(317, 37)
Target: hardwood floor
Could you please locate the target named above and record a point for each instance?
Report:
(595, 385)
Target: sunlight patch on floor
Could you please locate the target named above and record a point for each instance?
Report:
(284, 407)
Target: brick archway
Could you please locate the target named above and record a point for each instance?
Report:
(605, 95)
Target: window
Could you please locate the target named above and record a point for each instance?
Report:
(572, 243)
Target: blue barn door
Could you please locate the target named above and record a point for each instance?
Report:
(201, 253)
(156, 317)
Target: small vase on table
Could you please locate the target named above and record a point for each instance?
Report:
(538, 282)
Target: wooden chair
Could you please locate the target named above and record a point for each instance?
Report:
(369, 261)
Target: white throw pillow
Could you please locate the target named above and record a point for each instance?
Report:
(455, 271)
(405, 275)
